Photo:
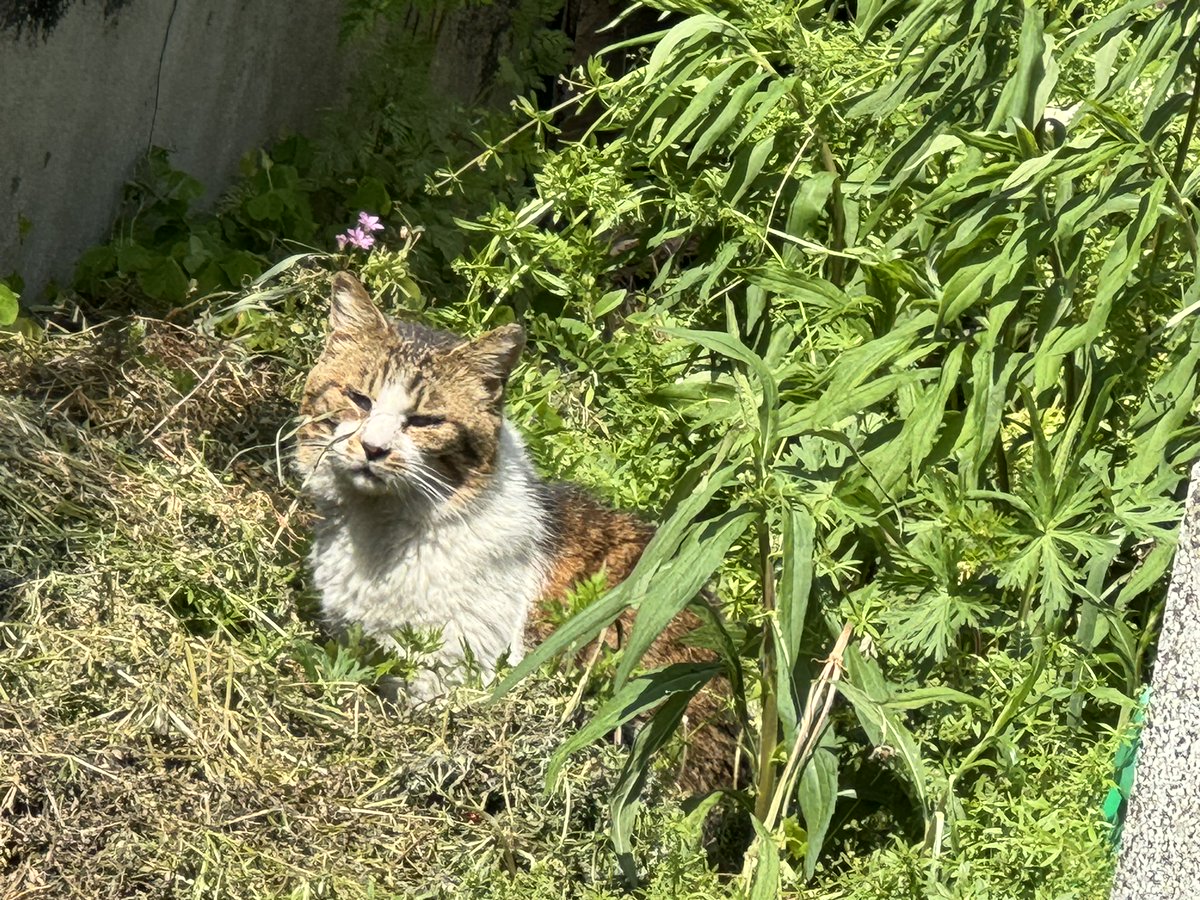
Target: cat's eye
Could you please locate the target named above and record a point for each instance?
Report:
(425, 421)
(362, 401)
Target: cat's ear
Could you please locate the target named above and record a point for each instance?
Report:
(351, 308)
(494, 355)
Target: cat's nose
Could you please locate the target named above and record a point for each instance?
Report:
(374, 452)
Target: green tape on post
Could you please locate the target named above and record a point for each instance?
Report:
(1124, 766)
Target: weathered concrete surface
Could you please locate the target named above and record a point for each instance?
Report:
(1160, 844)
(80, 105)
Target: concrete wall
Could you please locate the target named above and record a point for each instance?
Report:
(83, 100)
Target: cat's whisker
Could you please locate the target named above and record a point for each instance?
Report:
(421, 469)
(430, 477)
(425, 490)
(457, 513)
(437, 499)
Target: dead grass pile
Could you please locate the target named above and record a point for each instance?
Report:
(171, 724)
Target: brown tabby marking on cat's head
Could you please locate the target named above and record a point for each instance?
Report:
(393, 406)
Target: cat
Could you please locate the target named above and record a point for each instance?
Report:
(431, 514)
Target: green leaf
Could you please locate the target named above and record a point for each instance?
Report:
(265, 207)
(1012, 706)
(624, 803)
(282, 266)
(969, 284)
(164, 281)
(787, 282)
(635, 698)
(684, 34)
(133, 258)
(241, 267)
(765, 885)
(609, 302)
(679, 582)
(1154, 567)
(808, 206)
(730, 346)
(1032, 82)
(735, 106)
(780, 88)
(795, 584)
(746, 168)
(1119, 265)
(817, 796)
(371, 195)
(1163, 412)
(921, 697)
(865, 689)
(9, 305)
(700, 104)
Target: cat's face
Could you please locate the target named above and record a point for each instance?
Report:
(396, 408)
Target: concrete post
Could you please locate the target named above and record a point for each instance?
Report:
(1160, 844)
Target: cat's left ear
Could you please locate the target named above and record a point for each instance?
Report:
(351, 307)
(494, 355)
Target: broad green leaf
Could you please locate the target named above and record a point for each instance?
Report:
(926, 422)
(1149, 571)
(164, 280)
(1164, 410)
(817, 795)
(136, 258)
(734, 107)
(1032, 82)
(1119, 265)
(687, 32)
(968, 285)
(745, 169)
(807, 207)
(865, 689)
(918, 698)
(834, 406)
(765, 885)
(9, 305)
(792, 607)
(787, 282)
(609, 302)
(943, 143)
(780, 88)
(730, 346)
(653, 118)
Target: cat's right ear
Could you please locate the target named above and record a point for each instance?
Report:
(351, 308)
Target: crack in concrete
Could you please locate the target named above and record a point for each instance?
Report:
(158, 78)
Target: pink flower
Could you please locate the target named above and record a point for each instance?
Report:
(356, 237)
(368, 222)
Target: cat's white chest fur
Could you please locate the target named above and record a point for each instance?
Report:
(474, 572)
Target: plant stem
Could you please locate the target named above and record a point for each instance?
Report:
(820, 696)
(1189, 129)
(837, 267)
(769, 732)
